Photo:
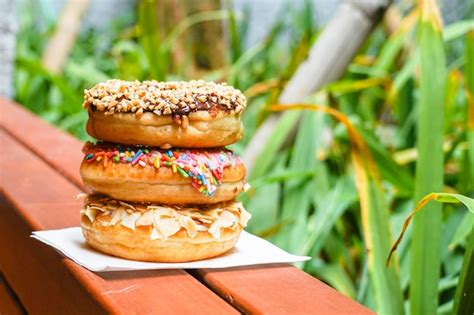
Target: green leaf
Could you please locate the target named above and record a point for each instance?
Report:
(243, 60)
(157, 57)
(457, 29)
(392, 47)
(34, 67)
(374, 212)
(385, 282)
(393, 172)
(263, 200)
(464, 296)
(338, 278)
(349, 86)
(462, 231)
(426, 240)
(271, 148)
(402, 77)
(281, 176)
(424, 204)
(455, 198)
(469, 69)
(329, 209)
(297, 193)
(445, 308)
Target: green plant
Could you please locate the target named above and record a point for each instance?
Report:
(382, 100)
(464, 291)
(318, 189)
(426, 241)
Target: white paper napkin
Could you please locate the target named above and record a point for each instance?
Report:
(250, 250)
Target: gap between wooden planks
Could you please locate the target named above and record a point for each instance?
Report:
(35, 197)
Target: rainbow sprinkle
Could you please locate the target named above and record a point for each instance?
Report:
(203, 167)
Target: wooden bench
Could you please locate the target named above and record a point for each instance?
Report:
(39, 179)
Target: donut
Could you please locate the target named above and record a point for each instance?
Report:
(194, 114)
(172, 176)
(157, 233)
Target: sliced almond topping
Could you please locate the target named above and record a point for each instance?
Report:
(189, 225)
(130, 220)
(167, 227)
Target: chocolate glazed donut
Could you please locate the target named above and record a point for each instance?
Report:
(195, 114)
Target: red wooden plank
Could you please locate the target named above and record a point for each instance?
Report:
(35, 197)
(266, 289)
(278, 289)
(9, 304)
(62, 150)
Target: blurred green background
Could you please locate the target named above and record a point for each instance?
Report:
(408, 94)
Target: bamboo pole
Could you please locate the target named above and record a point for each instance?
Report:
(327, 60)
(202, 46)
(62, 41)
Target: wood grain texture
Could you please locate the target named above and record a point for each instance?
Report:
(278, 289)
(35, 197)
(271, 289)
(56, 147)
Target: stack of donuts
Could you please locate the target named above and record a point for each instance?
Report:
(163, 184)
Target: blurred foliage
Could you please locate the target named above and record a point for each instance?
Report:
(304, 197)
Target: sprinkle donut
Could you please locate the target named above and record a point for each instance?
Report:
(167, 176)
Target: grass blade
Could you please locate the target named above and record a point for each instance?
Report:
(70, 95)
(295, 204)
(458, 29)
(375, 218)
(265, 199)
(271, 147)
(462, 232)
(394, 44)
(464, 299)
(464, 296)
(374, 212)
(330, 208)
(338, 278)
(280, 176)
(235, 37)
(402, 77)
(349, 86)
(390, 170)
(426, 241)
(469, 69)
(244, 59)
(423, 203)
(150, 41)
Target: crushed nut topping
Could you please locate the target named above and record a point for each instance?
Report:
(163, 98)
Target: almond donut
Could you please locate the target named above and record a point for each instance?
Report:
(173, 176)
(150, 232)
(194, 114)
